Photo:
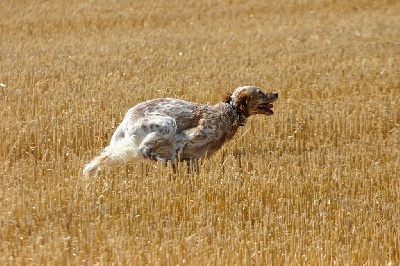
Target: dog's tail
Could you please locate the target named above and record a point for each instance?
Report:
(124, 150)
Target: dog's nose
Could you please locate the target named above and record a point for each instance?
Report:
(273, 96)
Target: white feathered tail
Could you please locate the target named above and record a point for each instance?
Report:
(123, 150)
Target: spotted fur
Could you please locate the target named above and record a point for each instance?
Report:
(167, 129)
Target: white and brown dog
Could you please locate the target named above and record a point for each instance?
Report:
(167, 129)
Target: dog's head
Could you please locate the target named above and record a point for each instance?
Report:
(250, 100)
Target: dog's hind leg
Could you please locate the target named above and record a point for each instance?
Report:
(157, 143)
(148, 148)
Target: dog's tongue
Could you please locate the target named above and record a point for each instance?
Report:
(266, 106)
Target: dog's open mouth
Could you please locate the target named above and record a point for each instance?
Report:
(266, 107)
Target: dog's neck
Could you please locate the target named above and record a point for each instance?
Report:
(240, 116)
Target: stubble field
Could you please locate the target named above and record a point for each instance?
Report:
(318, 183)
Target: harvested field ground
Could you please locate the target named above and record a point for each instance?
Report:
(318, 183)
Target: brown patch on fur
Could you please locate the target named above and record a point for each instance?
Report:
(227, 98)
(241, 103)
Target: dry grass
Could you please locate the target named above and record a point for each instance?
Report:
(318, 183)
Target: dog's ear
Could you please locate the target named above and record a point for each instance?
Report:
(241, 102)
(227, 98)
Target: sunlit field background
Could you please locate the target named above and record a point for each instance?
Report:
(318, 183)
